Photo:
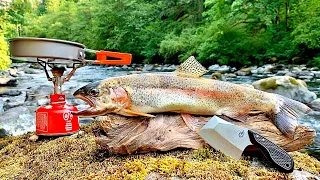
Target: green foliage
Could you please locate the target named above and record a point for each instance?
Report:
(233, 32)
(4, 58)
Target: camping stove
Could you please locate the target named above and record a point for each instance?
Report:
(56, 118)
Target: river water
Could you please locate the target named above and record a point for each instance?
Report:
(89, 74)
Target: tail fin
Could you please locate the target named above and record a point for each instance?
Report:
(287, 114)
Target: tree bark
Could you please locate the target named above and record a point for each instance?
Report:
(127, 135)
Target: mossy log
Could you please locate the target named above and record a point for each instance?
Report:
(127, 135)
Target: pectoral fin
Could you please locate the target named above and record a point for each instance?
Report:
(134, 113)
(190, 121)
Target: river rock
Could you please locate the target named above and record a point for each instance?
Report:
(10, 92)
(316, 74)
(282, 73)
(305, 73)
(218, 76)
(224, 69)
(315, 104)
(305, 77)
(43, 101)
(14, 101)
(244, 72)
(8, 81)
(214, 67)
(286, 86)
(4, 133)
(13, 72)
(147, 67)
(32, 71)
(291, 74)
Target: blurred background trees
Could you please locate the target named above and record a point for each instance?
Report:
(235, 32)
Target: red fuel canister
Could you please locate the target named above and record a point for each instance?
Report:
(56, 119)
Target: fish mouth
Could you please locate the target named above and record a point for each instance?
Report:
(88, 100)
(92, 111)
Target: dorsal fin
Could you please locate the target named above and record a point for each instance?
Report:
(191, 68)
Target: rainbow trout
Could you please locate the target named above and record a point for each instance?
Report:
(185, 92)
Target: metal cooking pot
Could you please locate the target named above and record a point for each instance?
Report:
(52, 50)
(59, 51)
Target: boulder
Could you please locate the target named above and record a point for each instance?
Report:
(224, 69)
(4, 133)
(286, 86)
(218, 76)
(244, 72)
(315, 104)
(8, 81)
(13, 72)
(214, 67)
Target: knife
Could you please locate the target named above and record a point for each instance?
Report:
(232, 140)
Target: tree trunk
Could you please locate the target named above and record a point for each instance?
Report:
(127, 135)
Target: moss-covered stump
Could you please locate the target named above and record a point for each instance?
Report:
(127, 135)
(79, 157)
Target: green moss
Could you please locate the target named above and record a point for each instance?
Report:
(269, 83)
(78, 157)
(293, 81)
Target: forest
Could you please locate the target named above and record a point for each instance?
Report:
(239, 33)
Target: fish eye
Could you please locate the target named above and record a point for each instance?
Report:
(94, 92)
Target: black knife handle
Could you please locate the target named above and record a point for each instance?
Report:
(279, 157)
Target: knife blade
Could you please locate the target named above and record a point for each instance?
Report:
(232, 140)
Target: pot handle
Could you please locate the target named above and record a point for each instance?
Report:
(111, 58)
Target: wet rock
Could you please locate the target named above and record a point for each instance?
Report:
(214, 67)
(282, 73)
(291, 74)
(42, 102)
(286, 86)
(10, 92)
(305, 77)
(315, 104)
(305, 73)
(10, 102)
(32, 71)
(224, 69)
(8, 81)
(147, 67)
(3, 133)
(13, 72)
(230, 75)
(169, 68)
(316, 74)
(218, 76)
(268, 68)
(4, 73)
(244, 72)
(38, 66)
